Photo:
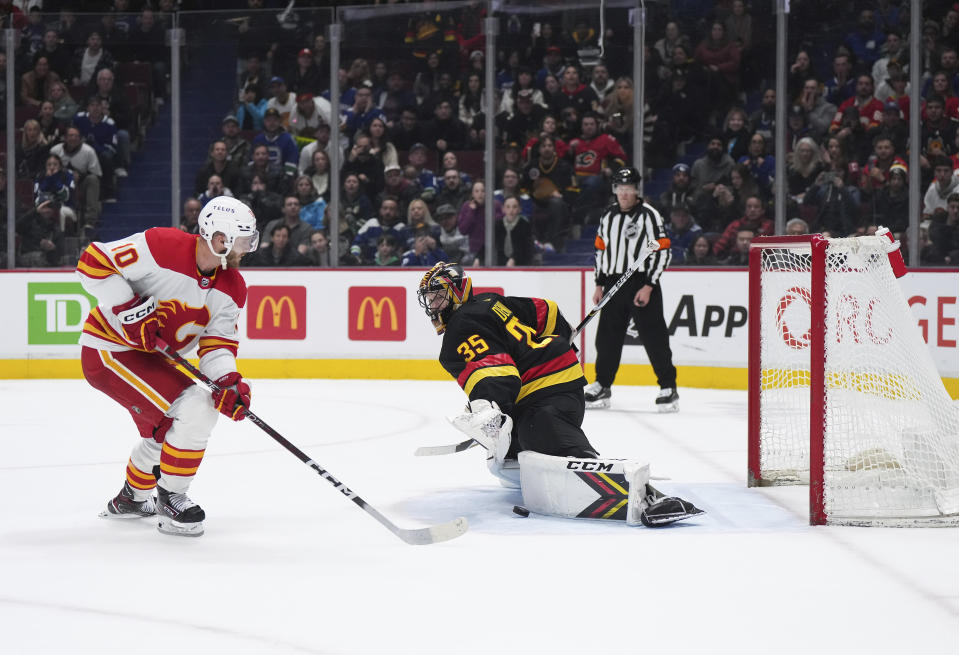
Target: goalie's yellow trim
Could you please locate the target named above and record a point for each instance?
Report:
(611, 483)
(570, 374)
(615, 508)
(552, 311)
(490, 371)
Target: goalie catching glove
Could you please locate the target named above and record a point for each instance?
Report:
(492, 429)
(232, 397)
(139, 321)
(485, 423)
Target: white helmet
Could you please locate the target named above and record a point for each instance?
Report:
(234, 220)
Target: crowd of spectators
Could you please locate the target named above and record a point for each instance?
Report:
(411, 135)
(87, 86)
(846, 134)
(412, 127)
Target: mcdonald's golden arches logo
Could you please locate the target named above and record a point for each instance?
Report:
(377, 314)
(276, 312)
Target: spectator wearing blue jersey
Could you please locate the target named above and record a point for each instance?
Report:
(866, 42)
(56, 182)
(682, 231)
(386, 222)
(363, 111)
(842, 85)
(280, 145)
(424, 253)
(761, 164)
(98, 130)
(249, 113)
(312, 205)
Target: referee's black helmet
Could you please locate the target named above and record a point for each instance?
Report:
(626, 175)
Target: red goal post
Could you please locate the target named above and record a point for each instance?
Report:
(843, 393)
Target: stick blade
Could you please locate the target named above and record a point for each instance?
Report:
(436, 533)
(429, 451)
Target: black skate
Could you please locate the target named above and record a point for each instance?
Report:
(178, 515)
(667, 401)
(123, 506)
(596, 396)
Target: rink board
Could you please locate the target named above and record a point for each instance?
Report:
(365, 323)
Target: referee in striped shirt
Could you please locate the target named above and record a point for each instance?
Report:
(624, 227)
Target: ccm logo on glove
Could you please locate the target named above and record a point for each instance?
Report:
(232, 397)
(139, 322)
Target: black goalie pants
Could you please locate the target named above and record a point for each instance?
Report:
(551, 424)
(651, 325)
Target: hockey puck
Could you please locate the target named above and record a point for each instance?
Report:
(519, 510)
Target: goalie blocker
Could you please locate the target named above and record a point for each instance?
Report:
(610, 489)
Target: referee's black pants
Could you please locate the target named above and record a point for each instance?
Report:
(651, 325)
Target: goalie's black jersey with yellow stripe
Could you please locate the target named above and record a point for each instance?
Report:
(510, 350)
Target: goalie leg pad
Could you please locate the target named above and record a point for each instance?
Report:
(571, 487)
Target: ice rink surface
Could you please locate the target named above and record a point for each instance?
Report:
(288, 565)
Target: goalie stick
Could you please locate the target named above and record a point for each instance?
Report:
(645, 251)
(416, 536)
(428, 451)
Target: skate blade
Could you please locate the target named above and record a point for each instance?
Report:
(105, 514)
(176, 529)
(598, 404)
(668, 408)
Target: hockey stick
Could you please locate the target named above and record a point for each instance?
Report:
(416, 536)
(428, 451)
(645, 251)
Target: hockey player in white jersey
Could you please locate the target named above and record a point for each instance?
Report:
(166, 286)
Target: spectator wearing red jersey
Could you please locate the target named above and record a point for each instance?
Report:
(595, 157)
(870, 109)
(755, 219)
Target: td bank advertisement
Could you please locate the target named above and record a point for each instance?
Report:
(372, 315)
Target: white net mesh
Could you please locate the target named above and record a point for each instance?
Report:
(891, 436)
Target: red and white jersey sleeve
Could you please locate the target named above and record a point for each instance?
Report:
(194, 310)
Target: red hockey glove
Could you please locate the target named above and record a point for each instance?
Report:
(233, 396)
(139, 321)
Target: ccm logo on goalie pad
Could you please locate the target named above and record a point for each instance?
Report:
(589, 465)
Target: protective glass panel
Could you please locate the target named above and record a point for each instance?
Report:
(255, 88)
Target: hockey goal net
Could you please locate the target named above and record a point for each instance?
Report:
(843, 392)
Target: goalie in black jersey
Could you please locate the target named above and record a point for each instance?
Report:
(512, 354)
(513, 359)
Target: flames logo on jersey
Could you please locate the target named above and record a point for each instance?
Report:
(176, 319)
(585, 159)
